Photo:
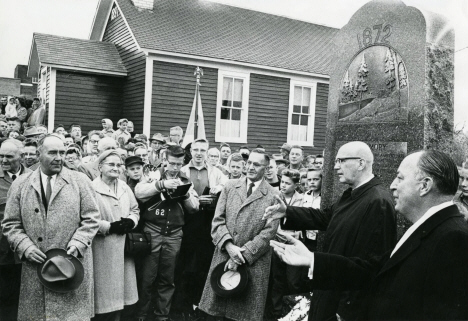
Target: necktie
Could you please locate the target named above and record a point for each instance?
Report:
(249, 191)
(13, 177)
(48, 190)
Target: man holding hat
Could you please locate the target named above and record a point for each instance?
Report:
(52, 207)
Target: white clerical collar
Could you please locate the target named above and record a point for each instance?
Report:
(419, 222)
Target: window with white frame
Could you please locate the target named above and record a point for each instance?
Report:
(301, 113)
(232, 107)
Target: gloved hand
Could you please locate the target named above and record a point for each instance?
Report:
(128, 224)
(117, 228)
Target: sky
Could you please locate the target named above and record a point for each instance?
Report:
(73, 18)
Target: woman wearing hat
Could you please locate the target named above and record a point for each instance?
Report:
(114, 274)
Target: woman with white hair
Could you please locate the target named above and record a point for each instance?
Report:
(115, 282)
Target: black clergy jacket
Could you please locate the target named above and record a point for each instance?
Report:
(425, 279)
(362, 223)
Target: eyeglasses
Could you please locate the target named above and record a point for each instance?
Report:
(338, 161)
(71, 159)
(92, 141)
(113, 165)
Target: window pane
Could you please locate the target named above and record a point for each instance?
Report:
(297, 96)
(295, 119)
(304, 120)
(297, 109)
(238, 87)
(236, 114)
(225, 113)
(305, 110)
(306, 97)
(226, 103)
(227, 91)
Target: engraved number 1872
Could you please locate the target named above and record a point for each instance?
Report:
(381, 31)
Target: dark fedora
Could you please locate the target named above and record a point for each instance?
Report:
(61, 272)
(229, 284)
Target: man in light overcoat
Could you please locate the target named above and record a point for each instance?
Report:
(11, 156)
(33, 225)
(241, 237)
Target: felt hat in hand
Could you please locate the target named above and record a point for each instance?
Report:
(60, 272)
(229, 284)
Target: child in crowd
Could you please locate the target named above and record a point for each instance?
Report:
(236, 166)
(286, 278)
(312, 199)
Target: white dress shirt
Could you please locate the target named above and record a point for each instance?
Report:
(256, 184)
(418, 223)
(405, 236)
(17, 174)
(44, 182)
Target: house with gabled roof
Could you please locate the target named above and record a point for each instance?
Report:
(265, 77)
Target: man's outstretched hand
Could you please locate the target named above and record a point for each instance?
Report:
(294, 252)
(276, 211)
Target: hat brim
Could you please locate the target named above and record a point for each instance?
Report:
(220, 290)
(134, 162)
(65, 285)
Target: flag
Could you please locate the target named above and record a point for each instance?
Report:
(190, 132)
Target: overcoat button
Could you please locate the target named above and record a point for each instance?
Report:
(36, 210)
(39, 239)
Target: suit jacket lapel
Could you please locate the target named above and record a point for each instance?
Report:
(258, 193)
(60, 182)
(241, 188)
(413, 242)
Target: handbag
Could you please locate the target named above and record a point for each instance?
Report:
(138, 243)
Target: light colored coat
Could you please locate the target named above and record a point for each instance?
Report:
(114, 274)
(215, 176)
(239, 219)
(71, 220)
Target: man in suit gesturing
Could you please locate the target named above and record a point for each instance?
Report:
(424, 277)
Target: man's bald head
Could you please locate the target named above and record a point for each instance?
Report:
(357, 149)
(353, 163)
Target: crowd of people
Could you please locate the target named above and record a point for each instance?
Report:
(66, 196)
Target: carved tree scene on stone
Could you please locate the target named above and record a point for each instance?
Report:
(374, 87)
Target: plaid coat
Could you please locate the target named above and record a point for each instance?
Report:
(239, 219)
(70, 219)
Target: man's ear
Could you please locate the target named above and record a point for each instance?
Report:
(427, 184)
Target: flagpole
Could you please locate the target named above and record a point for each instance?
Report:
(198, 73)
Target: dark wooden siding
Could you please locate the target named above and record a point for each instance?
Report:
(173, 93)
(86, 99)
(135, 62)
(321, 106)
(268, 112)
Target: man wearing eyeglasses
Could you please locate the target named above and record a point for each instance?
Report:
(163, 219)
(362, 223)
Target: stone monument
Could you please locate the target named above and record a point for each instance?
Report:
(391, 86)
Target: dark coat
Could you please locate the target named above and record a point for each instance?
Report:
(426, 278)
(239, 218)
(362, 223)
(6, 254)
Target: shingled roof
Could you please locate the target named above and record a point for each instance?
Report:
(70, 53)
(220, 31)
